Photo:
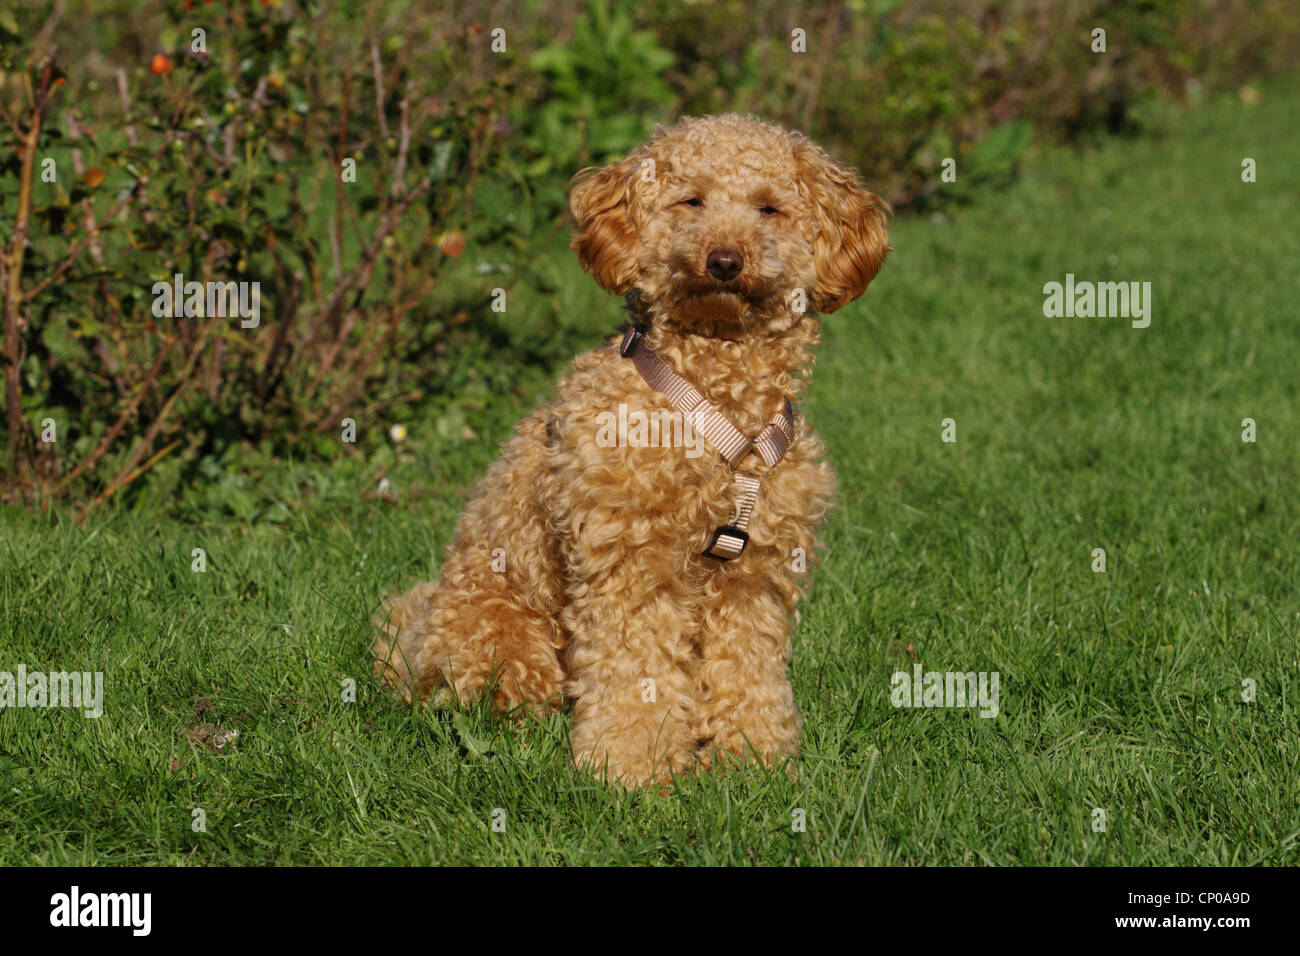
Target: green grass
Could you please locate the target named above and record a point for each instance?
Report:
(1120, 691)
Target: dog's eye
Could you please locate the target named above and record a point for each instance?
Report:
(768, 210)
(696, 202)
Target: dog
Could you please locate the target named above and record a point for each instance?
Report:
(653, 588)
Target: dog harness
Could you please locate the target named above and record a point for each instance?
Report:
(771, 444)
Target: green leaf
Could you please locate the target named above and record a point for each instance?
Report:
(475, 746)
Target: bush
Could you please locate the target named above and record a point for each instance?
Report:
(895, 87)
(327, 177)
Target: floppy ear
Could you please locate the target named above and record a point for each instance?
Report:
(851, 242)
(607, 242)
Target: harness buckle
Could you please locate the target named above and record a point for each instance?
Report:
(729, 540)
(632, 340)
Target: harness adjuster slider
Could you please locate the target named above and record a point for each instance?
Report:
(730, 539)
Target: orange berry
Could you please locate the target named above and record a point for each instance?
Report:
(451, 244)
(160, 64)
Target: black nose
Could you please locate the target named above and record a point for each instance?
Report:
(725, 264)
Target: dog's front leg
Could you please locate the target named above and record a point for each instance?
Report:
(746, 703)
(630, 668)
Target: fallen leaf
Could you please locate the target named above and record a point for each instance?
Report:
(211, 736)
(476, 746)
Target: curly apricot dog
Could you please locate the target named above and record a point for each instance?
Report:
(640, 546)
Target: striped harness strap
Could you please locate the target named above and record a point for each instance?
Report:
(771, 444)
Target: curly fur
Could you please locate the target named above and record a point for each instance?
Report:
(603, 586)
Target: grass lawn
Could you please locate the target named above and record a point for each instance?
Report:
(1120, 692)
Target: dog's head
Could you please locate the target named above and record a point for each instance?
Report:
(729, 224)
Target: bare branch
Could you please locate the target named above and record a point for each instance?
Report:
(116, 429)
(359, 276)
(399, 167)
(124, 94)
(379, 89)
(47, 29)
(129, 472)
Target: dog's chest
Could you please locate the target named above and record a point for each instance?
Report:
(621, 454)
